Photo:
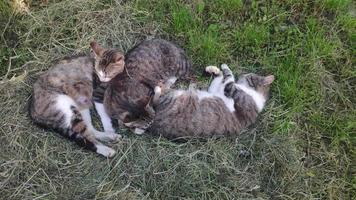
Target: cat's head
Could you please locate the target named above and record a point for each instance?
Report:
(261, 84)
(81, 92)
(108, 62)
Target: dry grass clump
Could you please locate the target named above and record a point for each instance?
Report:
(292, 152)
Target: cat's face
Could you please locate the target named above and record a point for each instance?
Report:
(260, 84)
(81, 93)
(108, 62)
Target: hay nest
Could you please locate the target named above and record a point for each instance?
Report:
(36, 163)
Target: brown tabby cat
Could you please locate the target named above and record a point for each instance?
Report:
(61, 99)
(127, 95)
(225, 109)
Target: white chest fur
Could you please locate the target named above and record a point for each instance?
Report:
(258, 98)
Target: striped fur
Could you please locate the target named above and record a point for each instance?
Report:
(150, 62)
(225, 109)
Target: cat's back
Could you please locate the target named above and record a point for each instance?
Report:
(67, 70)
(50, 84)
(72, 68)
(146, 65)
(157, 58)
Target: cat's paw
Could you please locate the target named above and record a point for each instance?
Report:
(224, 66)
(105, 151)
(213, 70)
(139, 131)
(114, 137)
(107, 136)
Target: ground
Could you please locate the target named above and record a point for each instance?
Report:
(302, 147)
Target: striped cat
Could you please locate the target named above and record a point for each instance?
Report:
(225, 108)
(62, 97)
(126, 97)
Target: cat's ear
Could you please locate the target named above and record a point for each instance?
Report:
(268, 80)
(118, 62)
(118, 58)
(97, 49)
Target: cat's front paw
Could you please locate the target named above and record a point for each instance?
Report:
(116, 137)
(213, 70)
(224, 66)
(139, 131)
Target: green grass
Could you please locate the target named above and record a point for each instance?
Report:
(302, 147)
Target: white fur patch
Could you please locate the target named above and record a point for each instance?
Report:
(224, 66)
(204, 94)
(63, 104)
(178, 93)
(105, 151)
(229, 103)
(107, 137)
(216, 85)
(104, 117)
(171, 81)
(258, 98)
(139, 131)
(158, 90)
(100, 73)
(87, 118)
(102, 78)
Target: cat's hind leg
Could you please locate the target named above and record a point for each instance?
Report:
(109, 136)
(73, 126)
(217, 81)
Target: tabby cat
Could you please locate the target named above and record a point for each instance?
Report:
(62, 97)
(126, 97)
(224, 109)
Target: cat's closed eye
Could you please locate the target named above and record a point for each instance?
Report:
(108, 62)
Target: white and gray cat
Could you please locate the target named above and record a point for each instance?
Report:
(227, 107)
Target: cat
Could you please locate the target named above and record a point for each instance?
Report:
(225, 108)
(61, 99)
(108, 63)
(63, 95)
(126, 97)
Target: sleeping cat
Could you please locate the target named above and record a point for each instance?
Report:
(225, 108)
(61, 99)
(126, 97)
(62, 95)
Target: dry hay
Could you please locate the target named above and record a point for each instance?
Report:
(39, 164)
